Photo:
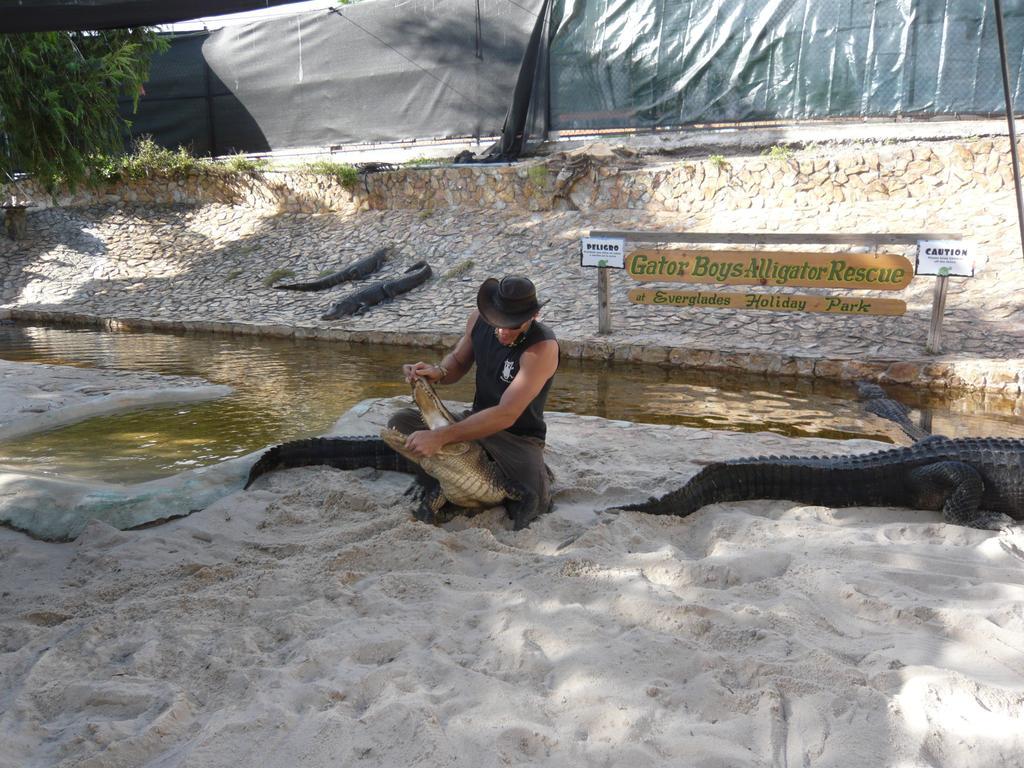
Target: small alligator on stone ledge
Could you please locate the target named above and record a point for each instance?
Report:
(361, 300)
(977, 482)
(357, 269)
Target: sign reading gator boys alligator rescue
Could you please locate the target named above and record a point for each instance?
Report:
(863, 271)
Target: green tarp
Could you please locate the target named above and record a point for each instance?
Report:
(653, 63)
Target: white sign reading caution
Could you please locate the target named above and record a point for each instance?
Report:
(603, 252)
(947, 258)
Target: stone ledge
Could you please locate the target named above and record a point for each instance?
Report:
(998, 376)
(907, 174)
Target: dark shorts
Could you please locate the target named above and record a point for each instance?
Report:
(520, 458)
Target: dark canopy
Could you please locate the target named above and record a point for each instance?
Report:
(51, 15)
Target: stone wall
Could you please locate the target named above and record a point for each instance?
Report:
(936, 171)
(291, 192)
(781, 180)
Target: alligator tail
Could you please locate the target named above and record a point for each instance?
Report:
(354, 271)
(338, 452)
(809, 481)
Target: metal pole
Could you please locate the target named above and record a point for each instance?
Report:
(211, 127)
(934, 343)
(604, 315)
(1010, 121)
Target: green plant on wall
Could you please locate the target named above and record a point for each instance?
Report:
(277, 274)
(241, 164)
(538, 175)
(343, 173)
(778, 152)
(459, 269)
(718, 161)
(417, 161)
(148, 160)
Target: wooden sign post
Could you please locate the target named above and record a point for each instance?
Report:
(604, 313)
(934, 343)
(944, 258)
(604, 253)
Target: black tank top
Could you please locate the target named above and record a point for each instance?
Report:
(497, 365)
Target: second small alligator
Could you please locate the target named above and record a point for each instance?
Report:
(382, 290)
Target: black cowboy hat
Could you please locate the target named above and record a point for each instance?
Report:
(509, 302)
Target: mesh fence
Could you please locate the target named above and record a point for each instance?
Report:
(415, 69)
(658, 63)
(176, 108)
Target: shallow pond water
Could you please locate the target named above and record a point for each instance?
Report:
(287, 389)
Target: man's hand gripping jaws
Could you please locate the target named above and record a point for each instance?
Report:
(536, 366)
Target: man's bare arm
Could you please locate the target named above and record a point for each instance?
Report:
(536, 366)
(456, 363)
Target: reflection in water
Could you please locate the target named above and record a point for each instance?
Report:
(287, 389)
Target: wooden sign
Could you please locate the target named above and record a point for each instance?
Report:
(866, 271)
(774, 302)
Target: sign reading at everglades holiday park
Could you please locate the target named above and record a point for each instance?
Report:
(947, 258)
(603, 252)
(773, 302)
(865, 271)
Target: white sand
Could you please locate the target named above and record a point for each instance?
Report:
(311, 622)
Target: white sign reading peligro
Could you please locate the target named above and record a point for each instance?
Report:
(603, 252)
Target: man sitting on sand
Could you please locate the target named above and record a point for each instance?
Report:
(516, 357)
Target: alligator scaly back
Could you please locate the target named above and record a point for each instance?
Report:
(338, 452)
(961, 477)
(383, 290)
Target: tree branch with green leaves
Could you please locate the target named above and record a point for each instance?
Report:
(59, 99)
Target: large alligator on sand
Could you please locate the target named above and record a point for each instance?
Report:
(361, 300)
(461, 474)
(977, 482)
(354, 271)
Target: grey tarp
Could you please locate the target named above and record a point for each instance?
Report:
(376, 71)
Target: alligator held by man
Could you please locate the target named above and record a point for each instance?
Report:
(382, 290)
(977, 482)
(461, 474)
(354, 271)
